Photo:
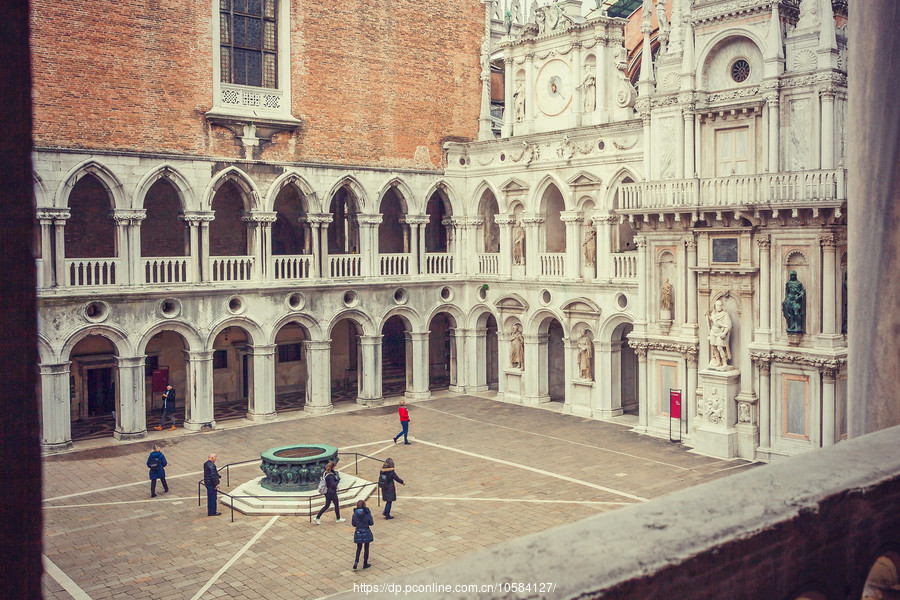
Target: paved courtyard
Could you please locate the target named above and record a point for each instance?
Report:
(478, 472)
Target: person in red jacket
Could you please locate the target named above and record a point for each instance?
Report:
(404, 422)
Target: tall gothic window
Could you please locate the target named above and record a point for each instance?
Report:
(249, 42)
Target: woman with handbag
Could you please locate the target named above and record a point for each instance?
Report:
(362, 520)
(386, 479)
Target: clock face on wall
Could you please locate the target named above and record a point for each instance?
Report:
(554, 87)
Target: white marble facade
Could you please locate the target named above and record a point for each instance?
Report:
(717, 172)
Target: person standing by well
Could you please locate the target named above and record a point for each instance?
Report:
(211, 481)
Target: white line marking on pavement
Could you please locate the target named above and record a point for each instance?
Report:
(121, 502)
(234, 558)
(344, 469)
(468, 498)
(191, 474)
(534, 470)
(64, 580)
(544, 435)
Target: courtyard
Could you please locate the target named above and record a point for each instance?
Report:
(478, 472)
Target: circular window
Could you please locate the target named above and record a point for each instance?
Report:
(545, 296)
(170, 308)
(235, 304)
(601, 145)
(482, 292)
(502, 157)
(740, 70)
(350, 298)
(462, 160)
(96, 312)
(296, 301)
(400, 296)
(622, 300)
(446, 294)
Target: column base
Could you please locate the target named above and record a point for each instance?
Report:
(607, 413)
(747, 437)
(417, 395)
(578, 411)
(199, 425)
(261, 417)
(131, 435)
(476, 388)
(56, 448)
(830, 340)
(458, 389)
(370, 401)
(318, 410)
(535, 400)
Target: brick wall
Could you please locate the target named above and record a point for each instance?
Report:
(373, 82)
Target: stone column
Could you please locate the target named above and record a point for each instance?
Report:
(602, 79)
(260, 223)
(314, 268)
(509, 108)
(645, 119)
(827, 97)
(604, 225)
(765, 296)
(532, 225)
(59, 224)
(484, 120)
(643, 279)
(529, 94)
(608, 361)
(829, 409)
(506, 224)
(578, 96)
(469, 264)
(193, 224)
(321, 259)
(262, 383)
(569, 367)
(131, 412)
(318, 376)
(134, 235)
(534, 376)
(765, 407)
(476, 361)
(123, 250)
(691, 391)
(198, 401)
(56, 408)
(773, 143)
(205, 264)
(829, 291)
(643, 400)
(416, 242)
(417, 364)
(422, 267)
(369, 393)
(368, 241)
(458, 356)
(689, 169)
(691, 326)
(572, 222)
(45, 218)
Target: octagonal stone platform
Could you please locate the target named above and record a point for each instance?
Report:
(252, 499)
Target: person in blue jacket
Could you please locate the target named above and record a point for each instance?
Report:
(156, 462)
(362, 520)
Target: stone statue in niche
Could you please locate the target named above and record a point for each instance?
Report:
(589, 89)
(517, 347)
(518, 245)
(665, 295)
(590, 245)
(719, 336)
(519, 101)
(585, 356)
(794, 305)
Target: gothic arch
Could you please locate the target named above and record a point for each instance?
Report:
(254, 332)
(404, 193)
(352, 183)
(173, 176)
(41, 195)
(452, 198)
(116, 336)
(186, 330)
(614, 182)
(307, 194)
(538, 192)
(478, 196)
(117, 196)
(249, 192)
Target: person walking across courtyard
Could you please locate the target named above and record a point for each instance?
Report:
(156, 462)
(168, 408)
(362, 520)
(404, 423)
(331, 494)
(386, 480)
(211, 481)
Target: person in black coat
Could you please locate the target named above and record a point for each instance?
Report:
(211, 481)
(156, 462)
(386, 480)
(362, 520)
(331, 494)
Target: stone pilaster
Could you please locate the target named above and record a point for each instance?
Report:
(198, 402)
(56, 409)
(131, 414)
(262, 383)
(417, 353)
(318, 366)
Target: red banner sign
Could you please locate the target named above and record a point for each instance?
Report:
(674, 404)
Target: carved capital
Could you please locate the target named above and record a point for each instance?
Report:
(258, 216)
(640, 242)
(127, 216)
(690, 243)
(195, 217)
(764, 241)
(828, 241)
(370, 219)
(320, 218)
(504, 219)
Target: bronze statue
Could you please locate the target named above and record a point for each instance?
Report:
(794, 305)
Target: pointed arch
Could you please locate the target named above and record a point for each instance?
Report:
(537, 193)
(42, 198)
(408, 200)
(478, 196)
(116, 192)
(174, 177)
(625, 172)
(310, 199)
(455, 205)
(249, 191)
(356, 188)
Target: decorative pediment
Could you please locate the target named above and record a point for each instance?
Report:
(584, 181)
(514, 188)
(581, 308)
(512, 303)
